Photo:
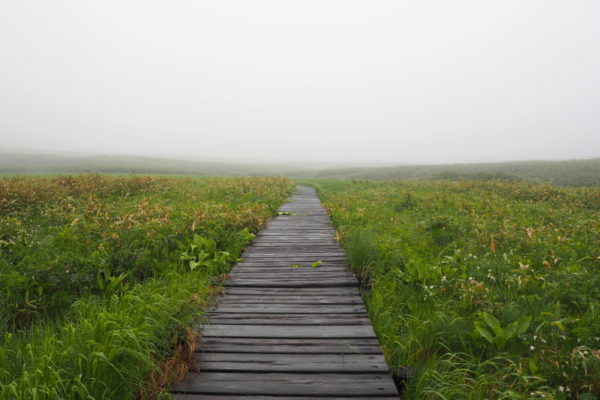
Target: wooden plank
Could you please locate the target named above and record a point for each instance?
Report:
(302, 269)
(293, 229)
(287, 257)
(272, 362)
(292, 273)
(234, 397)
(298, 237)
(274, 384)
(292, 299)
(268, 252)
(286, 263)
(331, 279)
(278, 331)
(324, 232)
(296, 244)
(263, 283)
(299, 220)
(297, 230)
(289, 319)
(299, 244)
(313, 256)
(319, 239)
(298, 226)
(306, 242)
(293, 270)
(303, 266)
(291, 234)
(276, 308)
(311, 279)
(299, 217)
(296, 248)
(287, 345)
(274, 291)
(297, 271)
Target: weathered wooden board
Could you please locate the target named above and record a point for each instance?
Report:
(234, 397)
(287, 275)
(290, 247)
(285, 255)
(278, 308)
(291, 299)
(277, 331)
(290, 283)
(336, 291)
(297, 270)
(314, 256)
(274, 384)
(286, 264)
(290, 346)
(271, 362)
(289, 319)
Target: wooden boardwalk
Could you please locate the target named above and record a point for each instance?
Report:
(286, 329)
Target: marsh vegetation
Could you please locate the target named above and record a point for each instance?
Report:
(486, 289)
(100, 276)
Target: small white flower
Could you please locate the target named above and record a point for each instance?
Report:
(531, 348)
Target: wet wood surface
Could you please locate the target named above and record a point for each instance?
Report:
(291, 324)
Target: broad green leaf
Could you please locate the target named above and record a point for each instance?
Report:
(493, 323)
(480, 328)
(517, 327)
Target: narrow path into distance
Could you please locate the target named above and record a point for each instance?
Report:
(286, 328)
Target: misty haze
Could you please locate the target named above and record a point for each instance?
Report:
(303, 81)
(300, 199)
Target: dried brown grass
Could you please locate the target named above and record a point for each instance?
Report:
(173, 369)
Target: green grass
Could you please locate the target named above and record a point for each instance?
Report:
(106, 348)
(564, 173)
(487, 289)
(584, 172)
(100, 275)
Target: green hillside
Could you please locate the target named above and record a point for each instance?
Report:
(572, 172)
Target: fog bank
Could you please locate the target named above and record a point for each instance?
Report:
(303, 81)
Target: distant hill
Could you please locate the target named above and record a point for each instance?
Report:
(572, 172)
(14, 163)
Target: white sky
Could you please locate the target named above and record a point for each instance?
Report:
(416, 81)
